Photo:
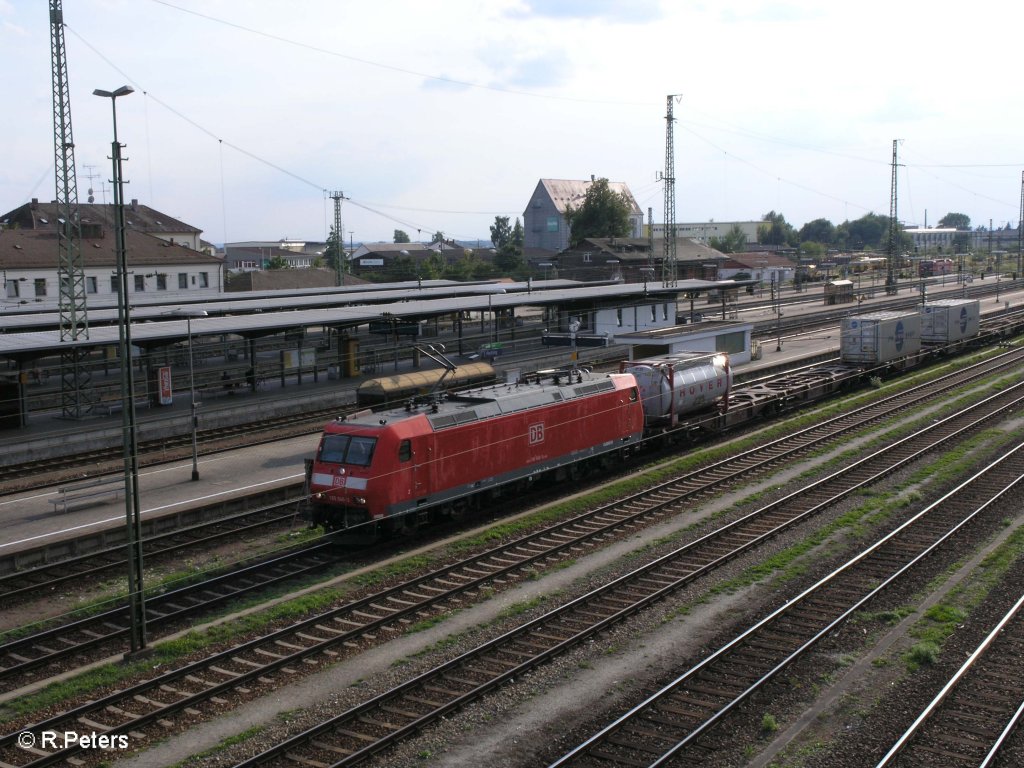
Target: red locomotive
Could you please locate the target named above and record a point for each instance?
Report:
(443, 457)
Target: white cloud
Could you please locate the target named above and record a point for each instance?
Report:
(443, 118)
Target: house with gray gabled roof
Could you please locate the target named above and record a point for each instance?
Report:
(163, 265)
(544, 224)
(138, 218)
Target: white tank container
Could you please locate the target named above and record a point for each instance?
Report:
(682, 382)
(947, 321)
(880, 337)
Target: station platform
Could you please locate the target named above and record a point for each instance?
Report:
(31, 520)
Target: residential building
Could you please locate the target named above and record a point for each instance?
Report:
(631, 260)
(162, 262)
(702, 231)
(544, 224)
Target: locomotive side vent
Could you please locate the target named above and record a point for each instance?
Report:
(597, 386)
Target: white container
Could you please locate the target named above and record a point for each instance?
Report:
(948, 321)
(880, 337)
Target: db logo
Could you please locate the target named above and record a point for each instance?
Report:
(536, 434)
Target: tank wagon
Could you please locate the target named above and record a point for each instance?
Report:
(395, 389)
(680, 384)
(407, 465)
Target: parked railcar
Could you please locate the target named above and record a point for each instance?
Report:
(682, 383)
(402, 465)
(400, 387)
(949, 321)
(881, 338)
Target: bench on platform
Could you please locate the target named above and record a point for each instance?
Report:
(88, 492)
(111, 407)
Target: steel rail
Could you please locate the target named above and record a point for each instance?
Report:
(457, 673)
(651, 703)
(932, 709)
(169, 678)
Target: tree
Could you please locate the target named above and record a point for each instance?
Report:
(401, 237)
(868, 233)
(508, 246)
(776, 231)
(734, 241)
(818, 231)
(432, 267)
(603, 213)
(332, 250)
(812, 248)
(955, 221)
(501, 232)
(278, 262)
(470, 267)
(519, 236)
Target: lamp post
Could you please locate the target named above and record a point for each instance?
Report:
(133, 516)
(188, 314)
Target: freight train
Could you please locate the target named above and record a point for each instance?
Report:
(449, 454)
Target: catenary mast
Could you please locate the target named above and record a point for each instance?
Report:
(668, 266)
(74, 321)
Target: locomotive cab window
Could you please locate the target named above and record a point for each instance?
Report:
(346, 449)
(405, 450)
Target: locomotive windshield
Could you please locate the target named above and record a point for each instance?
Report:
(348, 449)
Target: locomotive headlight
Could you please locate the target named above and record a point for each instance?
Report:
(358, 500)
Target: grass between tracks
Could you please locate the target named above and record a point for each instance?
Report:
(943, 619)
(168, 654)
(876, 509)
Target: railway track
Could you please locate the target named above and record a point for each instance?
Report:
(19, 657)
(324, 637)
(968, 722)
(397, 714)
(670, 724)
(56, 647)
(111, 558)
(278, 508)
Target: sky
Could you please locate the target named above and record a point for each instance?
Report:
(439, 115)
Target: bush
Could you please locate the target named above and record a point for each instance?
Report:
(923, 653)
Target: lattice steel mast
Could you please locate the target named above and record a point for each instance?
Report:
(891, 252)
(668, 262)
(74, 320)
(1020, 231)
(339, 234)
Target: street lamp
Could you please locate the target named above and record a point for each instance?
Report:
(188, 314)
(133, 516)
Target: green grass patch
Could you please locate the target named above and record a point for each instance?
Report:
(922, 654)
